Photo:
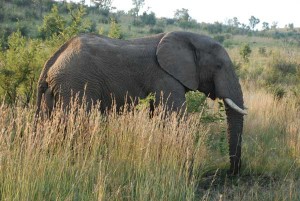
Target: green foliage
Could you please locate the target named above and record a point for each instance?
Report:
(148, 19)
(115, 30)
(138, 5)
(262, 51)
(253, 21)
(265, 26)
(219, 38)
(285, 67)
(215, 28)
(18, 68)
(77, 24)
(182, 15)
(278, 91)
(156, 30)
(103, 5)
(22, 61)
(281, 71)
(53, 23)
(197, 103)
(184, 19)
(245, 52)
(145, 102)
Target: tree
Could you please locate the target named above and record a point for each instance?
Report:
(290, 26)
(184, 19)
(104, 6)
(236, 22)
(215, 28)
(18, 67)
(265, 26)
(115, 30)
(274, 25)
(76, 25)
(182, 15)
(148, 19)
(53, 23)
(253, 21)
(41, 5)
(57, 25)
(138, 4)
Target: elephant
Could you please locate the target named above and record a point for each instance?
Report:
(106, 69)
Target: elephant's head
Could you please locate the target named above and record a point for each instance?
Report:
(200, 63)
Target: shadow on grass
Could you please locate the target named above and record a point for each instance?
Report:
(218, 185)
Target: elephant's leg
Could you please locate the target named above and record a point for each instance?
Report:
(48, 102)
(172, 101)
(171, 95)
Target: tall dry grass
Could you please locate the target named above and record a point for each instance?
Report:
(95, 157)
(272, 133)
(130, 156)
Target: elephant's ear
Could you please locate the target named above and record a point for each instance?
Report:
(176, 55)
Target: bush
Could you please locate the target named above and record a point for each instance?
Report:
(18, 69)
(281, 70)
(192, 24)
(219, 38)
(170, 21)
(115, 30)
(285, 67)
(53, 23)
(278, 92)
(1, 17)
(245, 52)
(196, 103)
(262, 51)
(31, 14)
(148, 19)
(156, 30)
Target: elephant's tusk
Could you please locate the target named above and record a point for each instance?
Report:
(234, 106)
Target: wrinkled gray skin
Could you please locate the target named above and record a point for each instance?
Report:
(172, 63)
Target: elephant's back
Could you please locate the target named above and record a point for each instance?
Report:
(102, 66)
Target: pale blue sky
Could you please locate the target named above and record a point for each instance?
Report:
(281, 11)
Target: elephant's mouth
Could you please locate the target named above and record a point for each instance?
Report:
(211, 95)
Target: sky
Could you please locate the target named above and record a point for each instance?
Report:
(281, 11)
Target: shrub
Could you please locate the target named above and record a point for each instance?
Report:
(156, 30)
(115, 30)
(245, 52)
(148, 19)
(18, 68)
(262, 51)
(53, 23)
(278, 92)
(282, 71)
(285, 67)
(197, 103)
(219, 38)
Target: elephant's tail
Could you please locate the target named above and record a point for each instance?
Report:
(45, 100)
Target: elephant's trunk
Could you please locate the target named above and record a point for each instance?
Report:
(228, 88)
(235, 129)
